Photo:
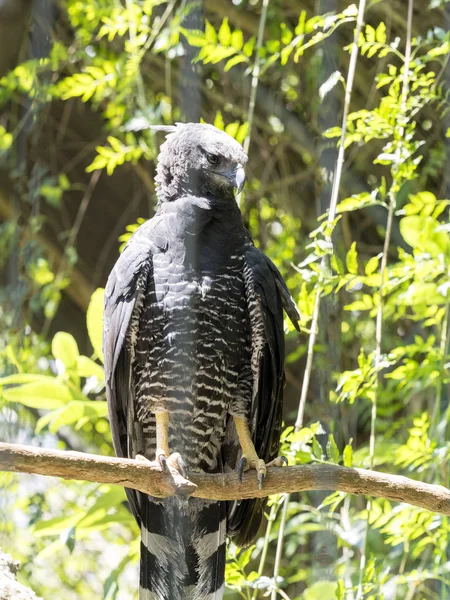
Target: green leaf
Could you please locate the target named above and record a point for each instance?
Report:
(422, 293)
(68, 538)
(317, 449)
(86, 367)
(300, 28)
(350, 11)
(115, 144)
(214, 54)
(232, 129)
(237, 39)
(372, 265)
(111, 587)
(57, 525)
(113, 497)
(285, 54)
(366, 303)
(370, 33)
(74, 413)
(99, 162)
(421, 232)
(195, 38)
(321, 590)
(235, 60)
(52, 194)
(249, 46)
(348, 456)
(41, 272)
(352, 259)
(94, 320)
(380, 33)
(19, 378)
(332, 450)
(354, 202)
(225, 33)
(333, 132)
(242, 132)
(65, 349)
(44, 394)
(340, 590)
(411, 228)
(210, 33)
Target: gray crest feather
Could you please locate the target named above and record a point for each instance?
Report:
(165, 128)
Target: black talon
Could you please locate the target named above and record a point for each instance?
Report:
(163, 463)
(261, 478)
(183, 467)
(284, 460)
(241, 466)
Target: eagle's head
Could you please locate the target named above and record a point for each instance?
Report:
(201, 160)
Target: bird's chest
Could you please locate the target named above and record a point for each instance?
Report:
(193, 346)
(202, 301)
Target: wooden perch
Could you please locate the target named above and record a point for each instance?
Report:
(147, 477)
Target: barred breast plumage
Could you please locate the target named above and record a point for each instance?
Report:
(192, 355)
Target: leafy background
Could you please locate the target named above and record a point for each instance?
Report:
(80, 84)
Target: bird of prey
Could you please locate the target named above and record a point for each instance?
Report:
(194, 352)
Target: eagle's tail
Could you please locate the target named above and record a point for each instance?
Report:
(182, 549)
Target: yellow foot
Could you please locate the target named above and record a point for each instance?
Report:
(174, 461)
(245, 464)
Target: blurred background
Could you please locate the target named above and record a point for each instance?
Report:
(80, 83)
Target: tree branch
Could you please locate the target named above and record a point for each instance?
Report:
(147, 477)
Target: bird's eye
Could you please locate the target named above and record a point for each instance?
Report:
(213, 159)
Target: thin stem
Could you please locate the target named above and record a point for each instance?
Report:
(379, 326)
(283, 595)
(331, 217)
(139, 82)
(62, 271)
(155, 31)
(255, 74)
(279, 552)
(255, 80)
(333, 205)
(262, 562)
(383, 272)
(309, 362)
(348, 95)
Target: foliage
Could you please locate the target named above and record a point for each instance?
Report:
(53, 394)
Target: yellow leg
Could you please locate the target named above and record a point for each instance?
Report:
(163, 455)
(162, 434)
(249, 458)
(245, 438)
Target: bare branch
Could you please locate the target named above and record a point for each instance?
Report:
(148, 478)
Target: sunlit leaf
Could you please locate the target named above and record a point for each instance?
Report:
(352, 259)
(321, 590)
(48, 394)
(65, 349)
(86, 367)
(332, 450)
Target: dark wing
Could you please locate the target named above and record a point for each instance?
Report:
(267, 295)
(126, 283)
